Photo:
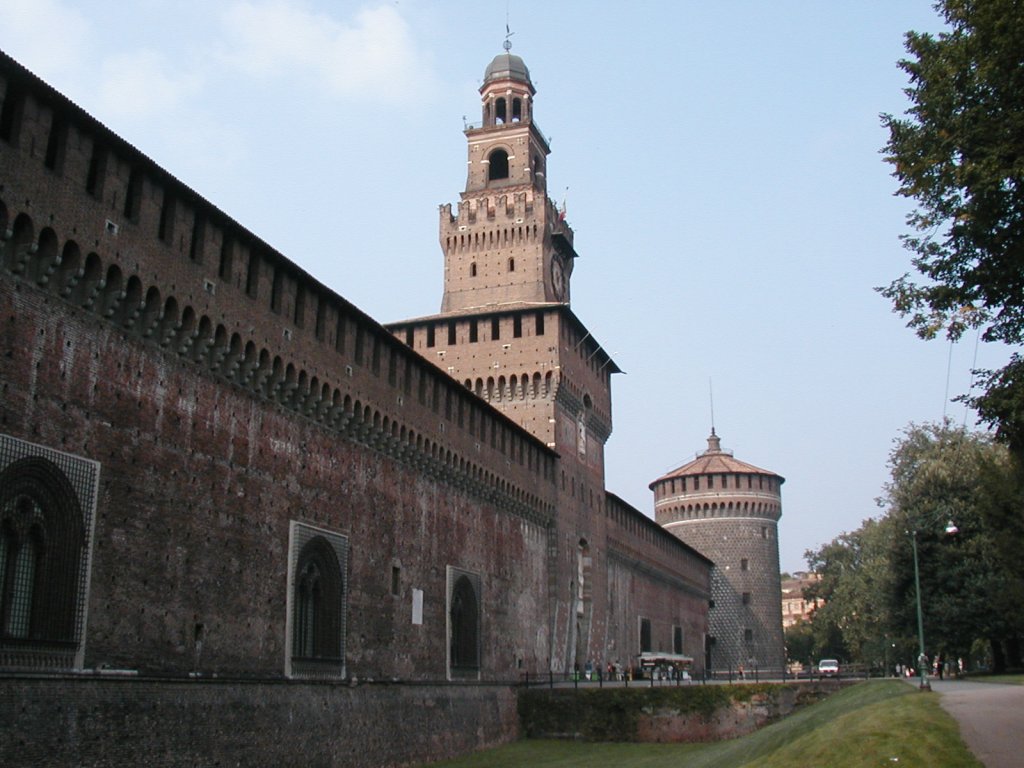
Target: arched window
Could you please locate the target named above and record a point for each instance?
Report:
(318, 602)
(464, 624)
(517, 110)
(42, 564)
(472, 269)
(500, 113)
(497, 165)
(511, 265)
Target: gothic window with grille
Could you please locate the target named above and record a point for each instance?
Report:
(47, 500)
(317, 597)
(463, 623)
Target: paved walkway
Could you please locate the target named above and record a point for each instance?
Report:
(991, 718)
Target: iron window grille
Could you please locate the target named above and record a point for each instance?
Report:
(317, 602)
(47, 517)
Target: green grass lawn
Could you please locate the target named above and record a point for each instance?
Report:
(870, 724)
(1002, 679)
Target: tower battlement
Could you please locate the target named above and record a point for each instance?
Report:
(512, 208)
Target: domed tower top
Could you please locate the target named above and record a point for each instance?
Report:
(715, 461)
(506, 91)
(507, 66)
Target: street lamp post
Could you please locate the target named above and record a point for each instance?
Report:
(921, 658)
(920, 621)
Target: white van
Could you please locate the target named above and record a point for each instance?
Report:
(828, 668)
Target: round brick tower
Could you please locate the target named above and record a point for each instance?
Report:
(729, 510)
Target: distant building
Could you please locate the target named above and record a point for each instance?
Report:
(729, 510)
(794, 606)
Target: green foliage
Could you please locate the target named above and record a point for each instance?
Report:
(959, 153)
(1002, 403)
(943, 475)
(972, 581)
(800, 642)
(855, 570)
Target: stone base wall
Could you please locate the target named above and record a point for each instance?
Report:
(688, 713)
(738, 718)
(98, 722)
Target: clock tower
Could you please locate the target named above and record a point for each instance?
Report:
(507, 244)
(506, 331)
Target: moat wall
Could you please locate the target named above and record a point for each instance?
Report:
(691, 713)
(153, 722)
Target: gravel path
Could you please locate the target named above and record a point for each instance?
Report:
(991, 718)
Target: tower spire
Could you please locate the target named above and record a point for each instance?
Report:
(714, 442)
(711, 399)
(507, 45)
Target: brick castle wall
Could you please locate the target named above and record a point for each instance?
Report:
(226, 395)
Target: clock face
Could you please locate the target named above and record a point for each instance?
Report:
(558, 279)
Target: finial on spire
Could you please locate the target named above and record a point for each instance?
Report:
(714, 443)
(507, 45)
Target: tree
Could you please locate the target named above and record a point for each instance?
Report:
(972, 582)
(855, 575)
(959, 153)
(941, 475)
(799, 642)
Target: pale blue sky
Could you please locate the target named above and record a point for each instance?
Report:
(720, 163)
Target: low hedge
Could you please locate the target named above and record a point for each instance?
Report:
(611, 714)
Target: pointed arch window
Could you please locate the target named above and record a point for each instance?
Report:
(46, 511)
(317, 600)
(463, 623)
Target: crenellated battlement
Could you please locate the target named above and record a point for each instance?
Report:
(514, 208)
(494, 207)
